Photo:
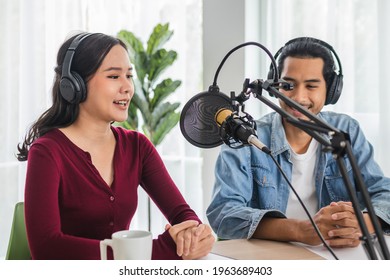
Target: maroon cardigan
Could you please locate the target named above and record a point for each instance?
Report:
(69, 208)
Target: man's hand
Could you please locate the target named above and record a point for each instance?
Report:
(337, 223)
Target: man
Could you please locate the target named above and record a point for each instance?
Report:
(251, 199)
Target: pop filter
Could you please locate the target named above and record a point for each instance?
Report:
(197, 119)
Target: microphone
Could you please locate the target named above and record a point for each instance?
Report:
(235, 129)
(205, 122)
(197, 118)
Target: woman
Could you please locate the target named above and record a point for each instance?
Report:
(83, 173)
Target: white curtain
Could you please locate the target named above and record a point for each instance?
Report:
(358, 31)
(31, 33)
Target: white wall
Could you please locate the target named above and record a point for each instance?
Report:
(223, 29)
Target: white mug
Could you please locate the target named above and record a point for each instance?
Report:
(128, 245)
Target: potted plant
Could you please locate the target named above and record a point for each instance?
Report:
(159, 116)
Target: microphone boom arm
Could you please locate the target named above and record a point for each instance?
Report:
(339, 145)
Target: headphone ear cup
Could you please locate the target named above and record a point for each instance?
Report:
(334, 89)
(270, 76)
(270, 73)
(81, 88)
(73, 88)
(67, 89)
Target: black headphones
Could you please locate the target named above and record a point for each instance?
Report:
(335, 83)
(72, 86)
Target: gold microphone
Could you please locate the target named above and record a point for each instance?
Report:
(236, 128)
(222, 115)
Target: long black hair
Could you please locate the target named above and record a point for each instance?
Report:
(88, 57)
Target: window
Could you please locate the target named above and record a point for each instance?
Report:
(32, 32)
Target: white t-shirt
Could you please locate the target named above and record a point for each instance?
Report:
(303, 182)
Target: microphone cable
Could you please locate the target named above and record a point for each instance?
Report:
(304, 208)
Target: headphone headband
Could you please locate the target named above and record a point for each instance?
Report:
(318, 41)
(335, 85)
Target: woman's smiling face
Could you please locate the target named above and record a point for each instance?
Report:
(111, 88)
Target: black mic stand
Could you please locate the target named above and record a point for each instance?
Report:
(339, 144)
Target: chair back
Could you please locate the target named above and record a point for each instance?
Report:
(18, 248)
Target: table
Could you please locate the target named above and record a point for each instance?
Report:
(256, 249)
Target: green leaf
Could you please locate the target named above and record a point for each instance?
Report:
(141, 91)
(164, 127)
(138, 88)
(160, 35)
(143, 106)
(126, 125)
(161, 111)
(132, 119)
(163, 90)
(159, 61)
(158, 117)
(133, 44)
(147, 132)
(141, 65)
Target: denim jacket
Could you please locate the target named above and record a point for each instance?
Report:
(248, 185)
